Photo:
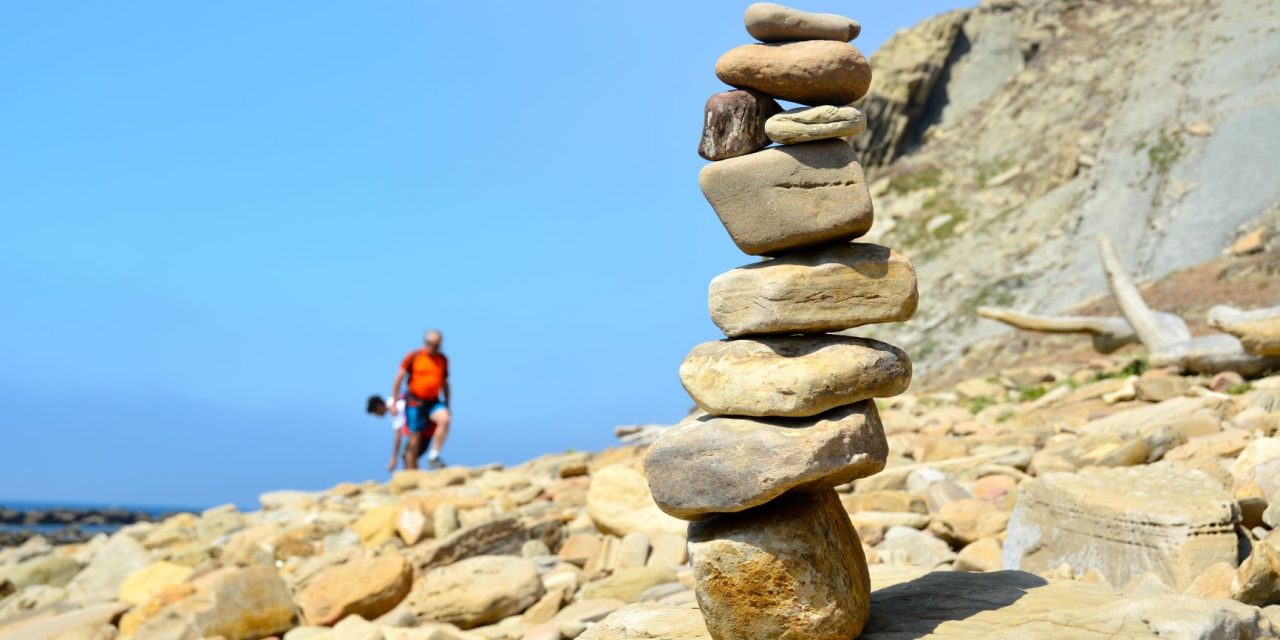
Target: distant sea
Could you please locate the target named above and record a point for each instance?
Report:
(155, 511)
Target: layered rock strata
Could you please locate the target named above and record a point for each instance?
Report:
(789, 409)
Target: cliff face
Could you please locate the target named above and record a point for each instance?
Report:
(1009, 136)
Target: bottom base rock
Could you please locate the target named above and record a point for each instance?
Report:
(791, 569)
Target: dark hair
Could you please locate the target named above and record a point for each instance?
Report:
(375, 404)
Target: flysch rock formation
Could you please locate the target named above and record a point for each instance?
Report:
(1024, 129)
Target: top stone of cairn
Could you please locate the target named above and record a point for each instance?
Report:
(768, 22)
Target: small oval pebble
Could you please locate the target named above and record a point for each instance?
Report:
(769, 22)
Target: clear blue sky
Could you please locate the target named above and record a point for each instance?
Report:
(222, 224)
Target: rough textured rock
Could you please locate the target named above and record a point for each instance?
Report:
(1123, 522)
(769, 22)
(650, 621)
(707, 465)
(807, 124)
(790, 569)
(814, 291)
(237, 604)
(367, 587)
(1258, 329)
(790, 376)
(733, 124)
(504, 535)
(949, 605)
(477, 591)
(812, 72)
(619, 502)
(788, 197)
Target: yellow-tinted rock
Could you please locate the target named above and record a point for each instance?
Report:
(368, 587)
(792, 568)
(150, 580)
(377, 525)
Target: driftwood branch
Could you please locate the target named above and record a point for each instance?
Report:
(1258, 330)
(1108, 333)
(1167, 339)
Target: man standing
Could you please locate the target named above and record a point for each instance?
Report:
(425, 372)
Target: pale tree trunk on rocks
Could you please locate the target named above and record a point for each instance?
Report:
(1108, 333)
(1166, 337)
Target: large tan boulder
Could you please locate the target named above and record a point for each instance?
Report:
(792, 376)
(619, 503)
(792, 568)
(237, 604)
(367, 587)
(788, 197)
(1122, 522)
(810, 72)
(477, 591)
(650, 621)
(707, 465)
(818, 290)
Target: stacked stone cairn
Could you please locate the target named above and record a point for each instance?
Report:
(787, 409)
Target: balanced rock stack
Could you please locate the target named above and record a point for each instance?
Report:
(787, 407)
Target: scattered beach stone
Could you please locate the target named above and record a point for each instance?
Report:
(982, 555)
(815, 291)
(55, 569)
(236, 604)
(792, 376)
(1123, 522)
(477, 591)
(769, 22)
(627, 584)
(906, 545)
(788, 197)
(733, 124)
(367, 587)
(707, 465)
(649, 621)
(619, 503)
(807, 124)
(792, 568)
(811, 72)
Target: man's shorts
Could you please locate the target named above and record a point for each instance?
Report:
(418, 418)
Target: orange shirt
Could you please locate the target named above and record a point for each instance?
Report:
(426, 373)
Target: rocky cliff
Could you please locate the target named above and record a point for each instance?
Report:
(1003, 139)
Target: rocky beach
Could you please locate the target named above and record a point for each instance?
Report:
(1104, 501)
